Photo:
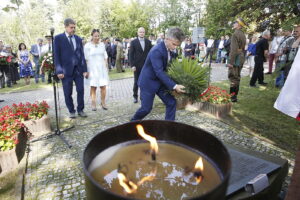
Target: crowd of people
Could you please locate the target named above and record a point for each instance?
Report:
(281, 51)
(100, 55)
(78, 61)
(16, 65)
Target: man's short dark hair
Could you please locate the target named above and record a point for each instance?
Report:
(176, 33)
(69, 21)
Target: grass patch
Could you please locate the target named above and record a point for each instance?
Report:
(254, 114)
(21, 86)
(113, 74)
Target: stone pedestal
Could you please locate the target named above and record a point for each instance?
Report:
(248, 164)
(217, 110)
(38, 127)
(8, 160)
(181, 103)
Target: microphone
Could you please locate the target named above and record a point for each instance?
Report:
(52, 31)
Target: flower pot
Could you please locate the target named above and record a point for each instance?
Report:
(38, 127)
(8, 160)
(217, 110)
(21, 146)
(181, 103)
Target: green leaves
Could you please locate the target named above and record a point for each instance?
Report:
(192, 75)
(259, 15)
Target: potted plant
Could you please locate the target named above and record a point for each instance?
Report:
(192, 75)
(34, 116)
(215, 101)
(13, 138)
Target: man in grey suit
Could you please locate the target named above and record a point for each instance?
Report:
(138, 51)
(36, 51)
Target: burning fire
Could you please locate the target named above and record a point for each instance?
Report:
(198, 170)
(152, 140)
(129, 186)
(148, 178)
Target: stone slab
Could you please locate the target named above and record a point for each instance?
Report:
(247, 165)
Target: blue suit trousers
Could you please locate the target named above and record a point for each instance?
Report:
(67, 83)
(147, 99)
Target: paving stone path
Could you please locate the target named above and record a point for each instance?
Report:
(54, 171)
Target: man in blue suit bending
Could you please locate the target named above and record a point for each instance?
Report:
(70, 66)
(154, 79)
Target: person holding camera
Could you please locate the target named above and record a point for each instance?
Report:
(282, 54)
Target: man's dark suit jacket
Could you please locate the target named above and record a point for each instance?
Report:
(65, 59)
(154, 73)
(137, 56)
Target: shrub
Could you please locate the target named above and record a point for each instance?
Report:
(191, 75)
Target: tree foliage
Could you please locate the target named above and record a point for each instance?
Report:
(174, 13)
(259, 14)
(25, 23)
(26, 20)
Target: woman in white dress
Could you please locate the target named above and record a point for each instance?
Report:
(96, 58)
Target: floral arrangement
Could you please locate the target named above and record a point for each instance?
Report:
(10, 127)
(11, 121)
(191, 74)
(5, 59)
(30, 111)
(46, 62)
(216, 95)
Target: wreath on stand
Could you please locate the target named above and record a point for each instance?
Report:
(46, 62)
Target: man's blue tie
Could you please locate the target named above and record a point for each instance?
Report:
(71, 42)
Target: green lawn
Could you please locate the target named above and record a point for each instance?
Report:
(254, 114)
(113, 75)
(20, 87)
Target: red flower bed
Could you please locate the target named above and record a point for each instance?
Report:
(216, 95)
(11, 119)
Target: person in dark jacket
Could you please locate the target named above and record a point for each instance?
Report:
(154, 79)
(113, 53)
(139, 49)
(108, 51)
(189, 49)
(261, 55)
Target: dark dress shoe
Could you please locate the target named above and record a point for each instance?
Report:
(1, 100)
(234, 99)
(135, 100)
(254, 86)
(263, 83)
(82, 114)
(72, 115)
